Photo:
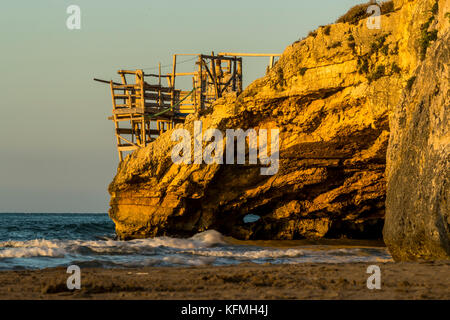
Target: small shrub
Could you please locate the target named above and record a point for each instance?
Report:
(352, 45)
(448, 16)
(433, 35)
(335, 45)
(378, 44)
(351, 42)
(395, 50)
(355, 14)
(312, 34)
(410, 82)
(358, 12)
(387, 7)
(303, 71)
(426, 37)
(385, 50)
(363, 65)
(435, 8)
(379, 72)
(395, 68)
(327, 30)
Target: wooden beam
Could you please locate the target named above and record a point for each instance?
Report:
(155, 75)
(214, 76)
(131, 131)
(249, 54)
(183, 74)
(174, 72)
(126, 148)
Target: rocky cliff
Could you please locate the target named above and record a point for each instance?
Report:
(418, 172)
(330, 95)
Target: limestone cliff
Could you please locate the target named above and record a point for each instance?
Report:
(418, 207)
(330, 95)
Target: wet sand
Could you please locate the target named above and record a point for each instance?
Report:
(246, 281)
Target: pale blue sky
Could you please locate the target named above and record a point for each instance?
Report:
(57, 149)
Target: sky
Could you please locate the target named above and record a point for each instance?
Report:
(57, 149)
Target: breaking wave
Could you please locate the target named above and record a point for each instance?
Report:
(206, 248)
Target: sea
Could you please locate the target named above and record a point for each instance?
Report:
(46, 240)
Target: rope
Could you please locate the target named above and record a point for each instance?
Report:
(171, 108)
(163, 66)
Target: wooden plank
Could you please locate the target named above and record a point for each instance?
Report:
(156, 75)
(127, 72)
(108, 82)
(216, 57)
(121, 118)
(156, 96)
(157, 88)
(157, 105)
(126, 148)
(125, 86)
(127, 105)
(128, 110)
(131, 131)
(183, 74)
(149, 108)
(124, 96)
(239, 54)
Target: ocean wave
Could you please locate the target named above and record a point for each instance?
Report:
(58, 248)
(250, 254)
(29, 252)
(206, 248)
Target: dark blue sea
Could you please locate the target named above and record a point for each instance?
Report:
(37, 241)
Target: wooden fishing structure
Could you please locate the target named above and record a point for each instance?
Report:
(144, 107)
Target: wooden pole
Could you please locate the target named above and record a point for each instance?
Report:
(174, 70)
(234, 74)
(214, 76)
(194, 94)
(200, 79)
(159, 84)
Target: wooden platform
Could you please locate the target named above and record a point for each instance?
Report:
(143, 108)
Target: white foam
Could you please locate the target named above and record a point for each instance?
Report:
(249, 254)
(198, 261)
(32, 252)
(208, 247)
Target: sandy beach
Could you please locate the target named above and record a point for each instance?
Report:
(246, 281)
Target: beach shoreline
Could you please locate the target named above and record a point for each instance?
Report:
(416, 281)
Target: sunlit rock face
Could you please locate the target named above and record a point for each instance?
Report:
(418, 208)
(330, 95)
